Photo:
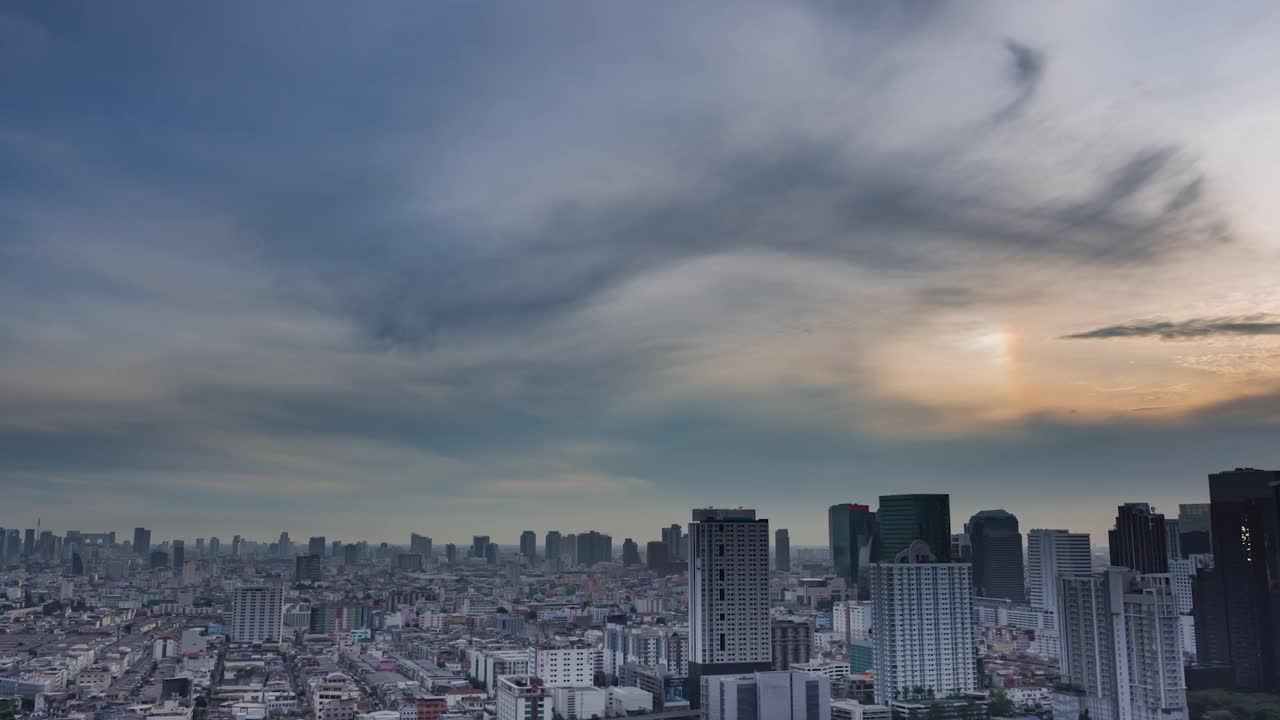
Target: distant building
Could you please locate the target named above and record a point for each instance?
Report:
(630, 552)
(551, 546)
(1050, 554)
(594, 547)
(791, 640)
(179, 554)
(522, 697)
(1139, 540)
(308, 568)
(420, 545)
(141, 542)
(904, 519)
(451, 554)
(257, 613)
(1195, 536)
(317, 546)
(409, 562)
(997, 555)
(782, 550)
(529, 545)
(657, 557)
(479, 546)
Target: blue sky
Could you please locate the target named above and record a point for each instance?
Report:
(459, 267)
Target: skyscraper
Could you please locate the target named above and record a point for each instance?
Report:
(903, 519)
(29, 542)
(451, 553)
(14, 545)
(656, 556)
(215, 547)
(922, 625)
(199, 547)
(1173, 538)
(997, 555)
(257, 615)
(630, 552)
(1194, 529)
(236, 542)
(1244, 507)
(551, 546)
(728, 595)
(594, 547)
(1121, 655)
(529, 544)
(420, 545)
(317, 546)
(677, 543)
(285, 545)
(782, 550)
(142, 542)
(350, 554)
(479, 546)
(179, 554)
(1050, 554)
(1139, 540)
(853, 536)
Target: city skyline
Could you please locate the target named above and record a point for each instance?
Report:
(453, 268)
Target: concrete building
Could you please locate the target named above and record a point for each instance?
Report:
(529, 545)
(1121, 655)
(1051, 553)
(782, 695)
(562, 666)
(257, 613)
(521, 697)
(1139, 541)
(792, 641)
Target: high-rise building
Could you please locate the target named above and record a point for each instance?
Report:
(179, 554)
(159, 560)
(1051, 553)
(3, 552)
(14, 546)
(791, 640)
(529, 544)
(420, 545)
(657, 557)
(317, 546)
(29, 542)
(677, 543)
(1194, 527)
(1173, 538)
(523, 697)
(782, 550)
(571, 549)
(852, 534)
(215, 547)
(257, 613)
(451, 553)
(350, 554)
(142, 542)
(491, 553)
(1139, 540)
(479, 546)
(236, 542)
(997, 555)
(923, 625)
(1244, 507)
(1121, 654)
(903, 519)
(961, 547)
(308, 568)
(335, 549)
(630, 552)
(782, 695)
(285, 545)
(728, 595)
(552, 546)
(409, 562)
(199, 547)
(594, 547)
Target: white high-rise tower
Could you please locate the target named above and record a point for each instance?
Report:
(1050, 554)
(257, 613)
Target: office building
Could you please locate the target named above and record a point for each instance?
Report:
(317, 546)
(420, 545)
(451, 553)
(923, 626)
(529, 544)
(350, 554)
(479, 546)
(409, 562)
(782, 550)
(782, 695)
(852, 534)
(236, 543)
(630, 552)
(1194, 529)
(1173, 538)
(141, 542)
(1244, 585)
(996, 546)
(159, 560)
(523, 697)
(199, 547)
(904, 519)
(961, 547)
(284, 545)
(29, 542)
(257, 613)
(728, 595)
(3, 552)
(791, 640)
(491, 553)
(1139, 540)
(593, 547)
(179, 554)
(656, 557)
(1051, 553)
(854, 710)
(551, 546)
(570, 545)
(1120, 656)
(215, 547)
(307, 568)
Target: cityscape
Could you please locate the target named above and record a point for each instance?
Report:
(720, 617)
(603, 359)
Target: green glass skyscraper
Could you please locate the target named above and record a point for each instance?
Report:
(904, 519)
(851, 531)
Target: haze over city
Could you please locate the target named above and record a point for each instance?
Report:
(474, 267)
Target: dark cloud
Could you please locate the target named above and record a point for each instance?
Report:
(1027, 72)
(1260, 324)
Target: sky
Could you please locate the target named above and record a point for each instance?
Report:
(459, 268)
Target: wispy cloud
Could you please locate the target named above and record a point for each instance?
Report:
(1246, 325)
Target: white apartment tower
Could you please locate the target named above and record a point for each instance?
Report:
(1120, 656)
(257, 613)
(728, 595)
(523, 697)
(1051, 553)
(922, 614)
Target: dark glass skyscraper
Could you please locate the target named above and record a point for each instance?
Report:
(996, 546)
(1139, 541)
(903, 519)
(529, 544)
(142, 541)
(1244, 507)
(551, 546)
(1195, 537)
(851, 534)
(782, 550)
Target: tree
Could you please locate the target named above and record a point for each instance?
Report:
(1001, 705)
